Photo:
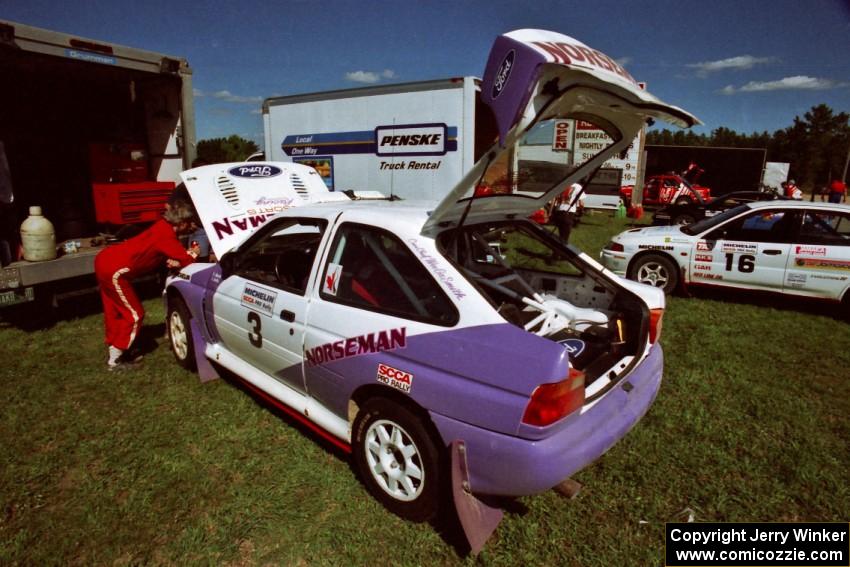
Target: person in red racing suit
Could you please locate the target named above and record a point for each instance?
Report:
(117, 265)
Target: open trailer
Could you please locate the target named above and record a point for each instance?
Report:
(95, 134)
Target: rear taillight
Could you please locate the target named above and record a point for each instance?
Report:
(615, 247)
(655, 317)
(551, 402)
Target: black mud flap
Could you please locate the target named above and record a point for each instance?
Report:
(478, 520)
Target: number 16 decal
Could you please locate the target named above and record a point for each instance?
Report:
(746, 263)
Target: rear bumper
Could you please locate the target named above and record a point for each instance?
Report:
(509, 466)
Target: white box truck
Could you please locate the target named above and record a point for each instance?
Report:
(413, 140)
(87, 128)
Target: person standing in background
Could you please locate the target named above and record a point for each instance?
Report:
(837, 191)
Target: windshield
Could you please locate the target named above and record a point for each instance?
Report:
(711, 222)
(545, 156)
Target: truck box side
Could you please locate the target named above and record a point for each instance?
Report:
(412, 140)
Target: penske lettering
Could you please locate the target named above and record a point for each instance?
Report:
(413, 140)
(355, 346)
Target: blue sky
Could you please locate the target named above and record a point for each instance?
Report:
(746, 65)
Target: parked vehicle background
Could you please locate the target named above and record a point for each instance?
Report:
(667, 189)
(690, 212)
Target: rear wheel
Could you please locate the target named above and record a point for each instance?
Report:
(397, 459)
(655, 270)
(180, 333)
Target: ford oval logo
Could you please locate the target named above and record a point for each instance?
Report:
(255, 171)
(503, 74)
(574, 346)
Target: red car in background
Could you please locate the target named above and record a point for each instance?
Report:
(668, 189)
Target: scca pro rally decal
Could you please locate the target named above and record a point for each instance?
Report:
(258, 299)
(355, 346)
(258, 171)
(398, 379)
(810, 250)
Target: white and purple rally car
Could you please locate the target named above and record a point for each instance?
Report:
(422, 334)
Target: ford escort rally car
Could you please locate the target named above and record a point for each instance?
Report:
(789, 247)
(415, 334)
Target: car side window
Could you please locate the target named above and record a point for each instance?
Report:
(282, 258)
(824, 227)
(372, 269)
(759, 226)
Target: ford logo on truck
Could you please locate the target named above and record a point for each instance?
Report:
(503, 74)
(254, 171)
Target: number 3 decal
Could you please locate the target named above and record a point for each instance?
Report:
(746, 263)
(254, 335)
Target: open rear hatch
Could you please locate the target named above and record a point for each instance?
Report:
(537, 83)
(533, 79)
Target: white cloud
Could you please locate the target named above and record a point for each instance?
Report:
(369, 77)
(798, 82)
(197, 92)
(256, 111)
(623, 61)
(363, 77)
(229, 97)
(742, 62)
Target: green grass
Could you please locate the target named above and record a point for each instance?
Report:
(752, 424)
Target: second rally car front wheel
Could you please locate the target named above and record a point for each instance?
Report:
(655, 270)
(397, 459)
(180, 333)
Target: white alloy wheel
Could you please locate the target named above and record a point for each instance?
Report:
(394, 460)
(179, 338)
(655, 270)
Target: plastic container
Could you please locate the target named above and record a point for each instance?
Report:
(38, 237)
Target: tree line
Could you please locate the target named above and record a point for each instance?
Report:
(817, 145)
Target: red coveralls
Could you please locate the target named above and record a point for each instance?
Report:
(116, 265)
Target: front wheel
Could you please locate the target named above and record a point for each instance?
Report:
(683, 201)
(655, 270)
(180, 333)
(397, 459)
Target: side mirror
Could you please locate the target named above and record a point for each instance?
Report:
(228, 264)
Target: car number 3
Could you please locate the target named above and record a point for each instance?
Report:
(254, 335)
(746, 263)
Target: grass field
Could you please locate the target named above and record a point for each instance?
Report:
(752, 424)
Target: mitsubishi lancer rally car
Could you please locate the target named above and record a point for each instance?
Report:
(416, 335)
(790, 247)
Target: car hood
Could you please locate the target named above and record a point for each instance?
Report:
(652, 232)
(536, 75)
(234, 199)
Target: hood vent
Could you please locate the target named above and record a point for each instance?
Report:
(228, 190)
(299, 187)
